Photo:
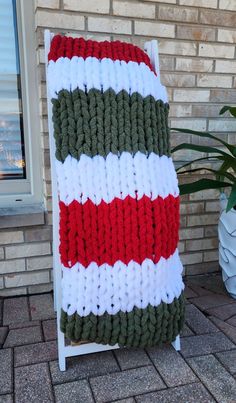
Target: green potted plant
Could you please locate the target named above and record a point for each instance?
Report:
(224, 176)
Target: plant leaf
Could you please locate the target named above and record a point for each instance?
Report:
(206, 149)
(224, 168)
(200, 148)
(231, 109)
(232, 199)
(216, 172)
(231, 162)
(230, 147)
(198, 159)
(202, 184)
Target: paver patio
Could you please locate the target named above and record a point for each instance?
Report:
(204, 370)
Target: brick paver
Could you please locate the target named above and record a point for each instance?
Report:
(15, 310)
(178, 373)
(228, 329)
(74, 392)
(125, 384)
(215, 377)
(200, 291)
(212, 283)
(197, 321)
(50, 329)
(6, 399)
(194, 393)
(228, 359)
(29, 323)
(32, 384)
(1, 311)
(34, 353)
(84, 366)
(211, 301)
(205, 344)
(205, 366)
(6, 360)
(223, 312)
(189, 293)
(41, 307)
(186, 331)
(132, 358)
(19, 337)
(3, 334)
(232, 321)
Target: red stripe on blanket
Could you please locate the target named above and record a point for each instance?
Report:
(63, 46)
(121, 230)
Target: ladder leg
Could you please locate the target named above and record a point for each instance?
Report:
(61, 348)
(176, 343)
(61, 361)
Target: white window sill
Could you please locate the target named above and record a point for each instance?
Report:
(26, 216)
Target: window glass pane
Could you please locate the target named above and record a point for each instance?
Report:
(12, 160)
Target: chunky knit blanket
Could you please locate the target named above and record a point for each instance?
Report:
(118, 195)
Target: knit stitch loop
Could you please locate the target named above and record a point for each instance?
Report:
(96, 123)
(139, 328)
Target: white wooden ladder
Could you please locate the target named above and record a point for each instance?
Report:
(64, 350)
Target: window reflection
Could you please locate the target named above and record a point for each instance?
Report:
(12, 160)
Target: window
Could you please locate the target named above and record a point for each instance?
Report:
(20, 182)
(12, 162)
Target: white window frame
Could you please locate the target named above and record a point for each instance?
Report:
(29, 191)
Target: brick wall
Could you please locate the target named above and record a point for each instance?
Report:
(25, 260)
(197, 56)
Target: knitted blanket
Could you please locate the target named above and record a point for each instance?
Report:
(118, 195)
